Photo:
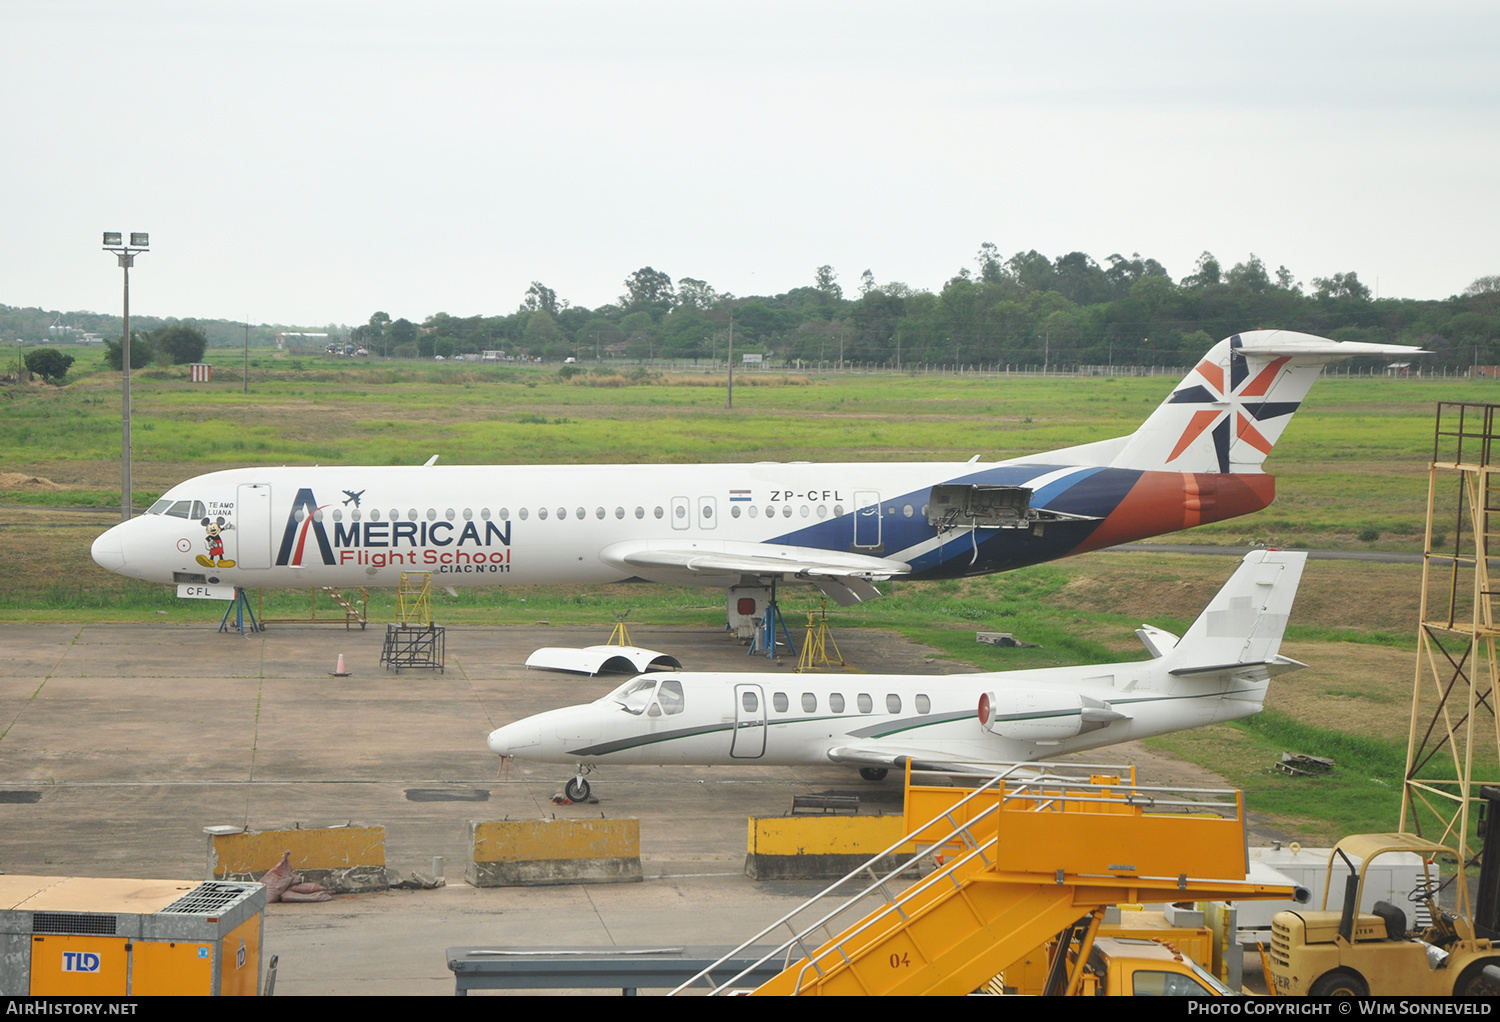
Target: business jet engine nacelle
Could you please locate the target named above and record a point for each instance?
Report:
(1043, 715)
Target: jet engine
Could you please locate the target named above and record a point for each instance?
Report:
(1043, 715)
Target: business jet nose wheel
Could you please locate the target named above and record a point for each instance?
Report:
(577, 790)
(873, 773)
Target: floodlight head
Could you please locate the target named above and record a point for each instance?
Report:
(111, 237)
(139, 239)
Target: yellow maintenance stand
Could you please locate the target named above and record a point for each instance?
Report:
(1027, 855)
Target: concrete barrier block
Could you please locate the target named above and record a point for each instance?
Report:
(532, 853)
(345, 860)
(816, 847)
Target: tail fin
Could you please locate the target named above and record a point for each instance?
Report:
(1230, 410)
(1244, 623)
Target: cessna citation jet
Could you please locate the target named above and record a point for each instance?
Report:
(1219, 670)
(842, 528)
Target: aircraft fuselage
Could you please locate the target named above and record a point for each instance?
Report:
(591, 524)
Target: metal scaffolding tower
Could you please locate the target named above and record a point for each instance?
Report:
(1454, 727)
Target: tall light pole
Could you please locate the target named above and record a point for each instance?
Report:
(139, 242)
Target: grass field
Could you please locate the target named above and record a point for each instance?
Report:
(1352, 464)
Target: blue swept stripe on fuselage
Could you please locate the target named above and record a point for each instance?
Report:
(1088, 490)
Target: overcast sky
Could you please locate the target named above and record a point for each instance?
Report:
(312, 162)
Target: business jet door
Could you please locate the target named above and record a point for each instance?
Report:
(749, 723)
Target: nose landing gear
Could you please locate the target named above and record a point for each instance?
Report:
(577, 789)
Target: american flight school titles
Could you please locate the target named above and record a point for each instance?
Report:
(422, 536)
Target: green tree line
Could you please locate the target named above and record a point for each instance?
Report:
(1028, 309)
(1025, 309)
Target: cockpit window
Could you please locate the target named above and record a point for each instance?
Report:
(634, 696)
(159, 507)
(181, 509)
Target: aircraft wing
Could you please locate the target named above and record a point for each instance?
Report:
(845, 577)
(886, 758)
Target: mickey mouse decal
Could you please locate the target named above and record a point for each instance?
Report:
(214, 527)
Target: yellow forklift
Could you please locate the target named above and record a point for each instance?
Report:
(1347, 953)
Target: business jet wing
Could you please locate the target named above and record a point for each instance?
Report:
(845, 578)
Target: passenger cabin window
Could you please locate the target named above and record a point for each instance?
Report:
(924, 705)
(779, 701)
(749, 702)
(866, 704)
(892, 703)
(836, 703)
(809, 703)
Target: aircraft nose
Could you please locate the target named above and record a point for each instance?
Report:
(512, 738)
(108, 552)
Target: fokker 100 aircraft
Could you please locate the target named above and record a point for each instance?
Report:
(840, 527)
(1219, 670)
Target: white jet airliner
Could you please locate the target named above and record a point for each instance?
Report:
(1219, 670)
(840, 527)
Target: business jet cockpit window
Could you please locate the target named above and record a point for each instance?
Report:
(635, 697)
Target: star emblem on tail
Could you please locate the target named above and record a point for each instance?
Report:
(1232, 407)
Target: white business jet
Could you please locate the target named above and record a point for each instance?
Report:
(742, 527)
(1219, 670)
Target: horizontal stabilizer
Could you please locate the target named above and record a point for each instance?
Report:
(1158, 641)
(1260, 670)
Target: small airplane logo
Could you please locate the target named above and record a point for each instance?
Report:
(353, 496)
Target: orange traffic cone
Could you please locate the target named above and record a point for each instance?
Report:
(339, 672)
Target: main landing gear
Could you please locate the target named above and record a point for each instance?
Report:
(873, 773)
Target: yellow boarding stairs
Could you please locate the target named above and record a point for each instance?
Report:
(1027, 855)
